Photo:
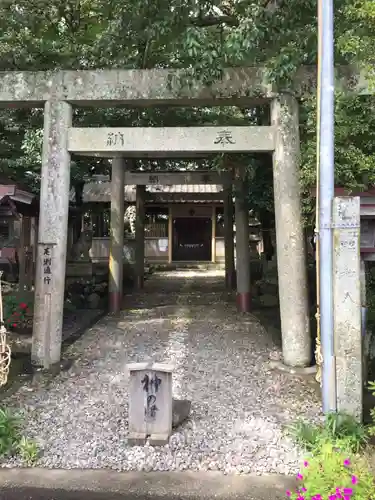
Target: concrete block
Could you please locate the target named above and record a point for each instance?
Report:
(150, 403)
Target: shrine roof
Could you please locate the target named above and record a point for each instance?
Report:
(100, 192)
(18, 195)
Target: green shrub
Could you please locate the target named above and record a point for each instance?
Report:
(12, 441)
(10, 432)
(371, 387)
(28, 450)
(339, 429)
(332, 474)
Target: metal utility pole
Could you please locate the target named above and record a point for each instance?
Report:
(326, 179)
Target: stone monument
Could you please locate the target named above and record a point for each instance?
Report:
(150, 403)
(347, 349)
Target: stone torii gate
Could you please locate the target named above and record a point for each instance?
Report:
(172, 142)
(281, 138)
(58, 91)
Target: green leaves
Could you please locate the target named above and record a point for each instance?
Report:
(204, 37)
(10, 432)
(332, 473)
(354, 145)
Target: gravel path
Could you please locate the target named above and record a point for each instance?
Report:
(238, 404)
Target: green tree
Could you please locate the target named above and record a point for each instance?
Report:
(204, 37)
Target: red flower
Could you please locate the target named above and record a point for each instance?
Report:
(16, 313)
(14, 325)
(23, 305)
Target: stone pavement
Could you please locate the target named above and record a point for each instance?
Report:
(239, 404)
(42, 484)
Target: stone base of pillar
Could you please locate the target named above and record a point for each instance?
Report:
(244, 302)
(115, 302)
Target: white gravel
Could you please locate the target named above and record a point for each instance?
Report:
(239, 406)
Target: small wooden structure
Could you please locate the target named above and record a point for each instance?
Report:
(19, 209)
(183, 222)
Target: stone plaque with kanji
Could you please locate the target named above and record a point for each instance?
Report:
(150, 403)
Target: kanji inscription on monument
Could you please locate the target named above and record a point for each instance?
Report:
(150, 403)
(151, 386)
(115, 139)
(153, 179)
(47, 263)
(224, 137)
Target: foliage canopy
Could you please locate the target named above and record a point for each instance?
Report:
(204, 37)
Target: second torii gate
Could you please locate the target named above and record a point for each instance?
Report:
(172, 142)
(281, 139)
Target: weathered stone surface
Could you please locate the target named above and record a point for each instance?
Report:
(180, 411)
(139, 266)
(243, 276)
(230, 273)
(291, 265)
(137, 439)
(347, 305)
(116, 267)
(159, 85)
(150, 402)
(164, 141)
(52, 235)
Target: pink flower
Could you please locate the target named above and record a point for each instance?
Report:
(305, 463)
(354, 480)
(288, 493)
(299, 476)
(347, 462)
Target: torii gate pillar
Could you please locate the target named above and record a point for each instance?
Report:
(291, 256)
(116, 266)
(229, 237)
(52, 235)
(140, 236)
(242, 248)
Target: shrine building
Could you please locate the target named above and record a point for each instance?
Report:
(183, 223)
